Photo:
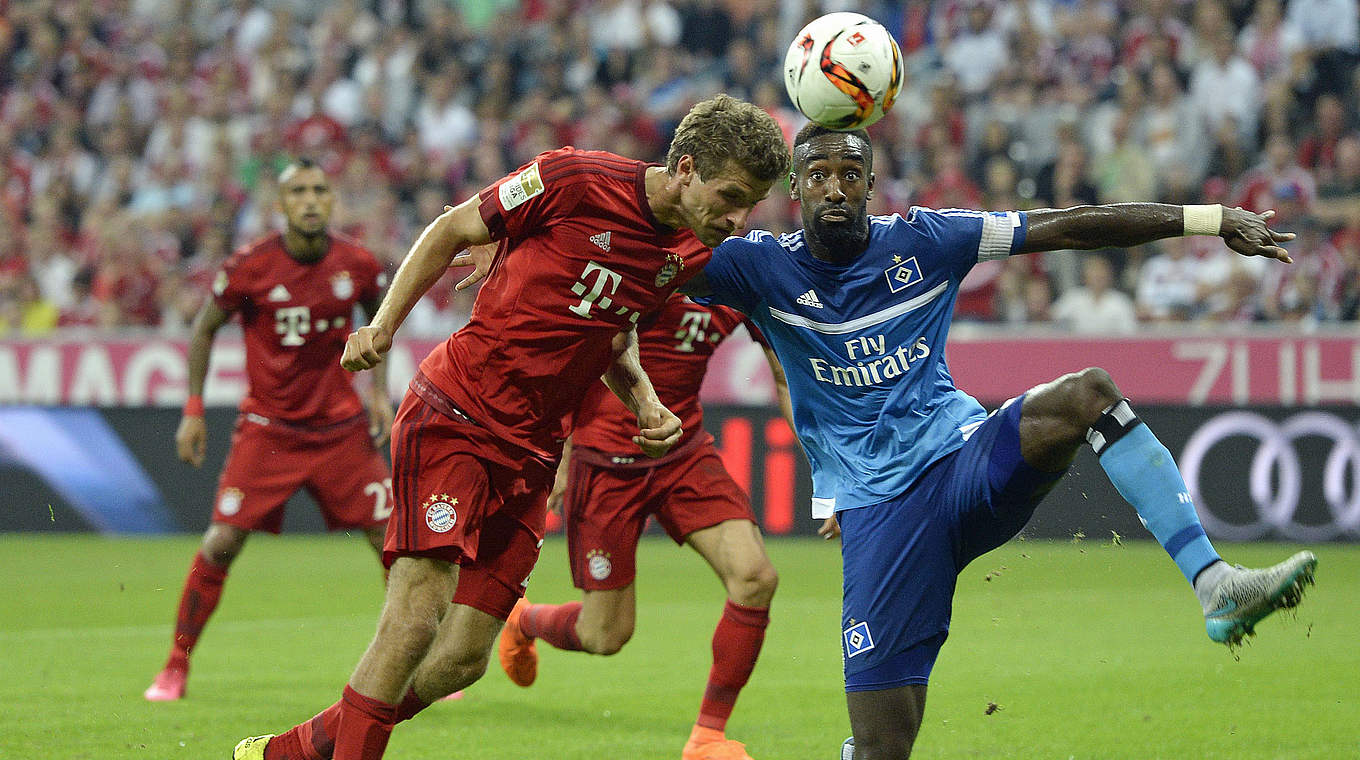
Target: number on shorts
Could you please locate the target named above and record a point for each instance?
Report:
(382, 498)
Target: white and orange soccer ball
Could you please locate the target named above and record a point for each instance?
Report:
(843, 71)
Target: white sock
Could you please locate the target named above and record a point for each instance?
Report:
(1208, 580)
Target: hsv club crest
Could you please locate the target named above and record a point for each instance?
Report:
(902, 274)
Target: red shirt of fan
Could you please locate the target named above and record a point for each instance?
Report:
(675, 351)
(296, 317)
(581, 257)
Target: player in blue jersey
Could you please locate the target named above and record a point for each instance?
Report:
(920, 478)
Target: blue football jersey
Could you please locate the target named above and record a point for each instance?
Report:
(863, 343)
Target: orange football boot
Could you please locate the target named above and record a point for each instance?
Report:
(518, 655)
(711, 744)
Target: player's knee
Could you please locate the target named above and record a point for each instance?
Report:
(613, 642)
(606, 640)
(1072, 403)
(754, 585)
(1093, 391)
(222, 544)
(467, 667)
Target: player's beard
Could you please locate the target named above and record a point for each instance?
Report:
(842, 240)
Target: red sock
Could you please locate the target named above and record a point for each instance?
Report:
(554, 623)
(736, 645)
(202, 589)
(410, 705)
(364, 727)
(315, 739)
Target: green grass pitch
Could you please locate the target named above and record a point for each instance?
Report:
(1086, 650)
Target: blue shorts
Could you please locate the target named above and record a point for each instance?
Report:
(901, 558)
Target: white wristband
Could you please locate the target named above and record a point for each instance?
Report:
(1202, 220)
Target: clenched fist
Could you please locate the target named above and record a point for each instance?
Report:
(364, 348)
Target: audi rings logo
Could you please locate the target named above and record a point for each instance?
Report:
(1275, 475)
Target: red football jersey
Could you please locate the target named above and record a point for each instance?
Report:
(295, 317)
(675, 351)
(581, 257)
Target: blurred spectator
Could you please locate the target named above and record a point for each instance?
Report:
(1225, 86)
(1065, 181)
(1313, 289)
(1155, 33)
(1338, 199)
(30, 314)
(1317, 150)
(1327, 25)
(1126, 173)
(978, 51)
(1175, 138)
(1024, 297)
(1169, 285)
(949, 185)
(1347, 296)
(1278, 183)
(1269, 42)
(1096, 306)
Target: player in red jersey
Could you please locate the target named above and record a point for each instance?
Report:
(606, 494)
(589, 243)
(302, 424)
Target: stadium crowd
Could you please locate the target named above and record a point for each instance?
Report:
(139, 138)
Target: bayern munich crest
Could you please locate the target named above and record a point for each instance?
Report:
(342, 285)
(669, 270)
(598, 564)
(229, 503)
(440, 515)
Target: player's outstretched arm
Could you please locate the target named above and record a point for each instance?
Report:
(448, 234)
(381, 415)
(191, 439)
(659, 428)
(1122, 225)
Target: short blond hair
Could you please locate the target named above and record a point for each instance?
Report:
(722, 131)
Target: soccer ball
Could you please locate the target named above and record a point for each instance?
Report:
(843, 71)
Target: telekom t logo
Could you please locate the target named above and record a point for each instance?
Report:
(604, 277)
(293, 322)
(692, 328)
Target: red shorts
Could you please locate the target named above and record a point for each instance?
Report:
(270, 460)
(466, 496)
(606, 508)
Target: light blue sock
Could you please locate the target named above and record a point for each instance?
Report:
(1145, 474)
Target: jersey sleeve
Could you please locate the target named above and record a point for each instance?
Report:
(966, 237)
(230, 286)
(533, 196)
(729, 274)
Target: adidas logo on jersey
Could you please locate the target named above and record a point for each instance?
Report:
(810, 299)
(602, 240)
(279, 293)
